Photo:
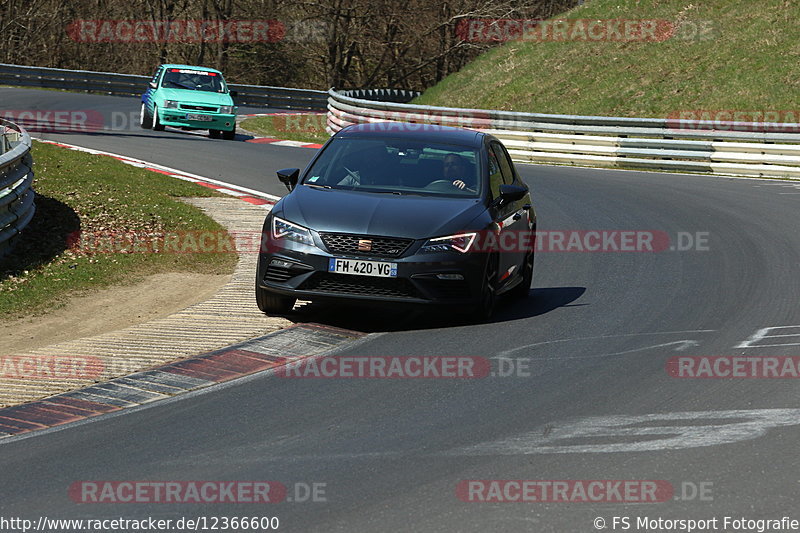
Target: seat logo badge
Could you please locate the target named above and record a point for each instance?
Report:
(364, 245)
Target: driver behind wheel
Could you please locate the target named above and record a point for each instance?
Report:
(456, 170)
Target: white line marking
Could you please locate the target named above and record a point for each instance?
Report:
(138, 162)
(682, 345)
(695, 175)
(506, 352)
(655, 432)
(232, 192)
(762, 334)
(296, 144)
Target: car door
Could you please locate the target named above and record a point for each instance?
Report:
(502, 214)
(514, 219)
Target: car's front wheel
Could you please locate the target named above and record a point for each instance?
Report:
(485, 309)
(273, 304)
(145, 118)
(157, 125)
(522, 290)
(229, 135)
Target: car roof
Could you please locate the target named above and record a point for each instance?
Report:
(415, 132)
(190, 67)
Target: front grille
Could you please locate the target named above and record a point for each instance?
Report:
(360, 285)
(348, 243)
(199, 108)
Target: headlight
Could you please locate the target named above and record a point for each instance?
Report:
(170, 104)
(226, 109)
(283, 229)
(460, 243)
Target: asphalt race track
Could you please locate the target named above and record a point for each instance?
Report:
(594, 338)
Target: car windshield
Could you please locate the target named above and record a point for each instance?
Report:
(195, 80)
(397, 166)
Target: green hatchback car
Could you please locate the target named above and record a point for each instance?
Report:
(191, 98)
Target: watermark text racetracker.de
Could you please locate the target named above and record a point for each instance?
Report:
(488, 30)
(580, 491)
(194, 492)
(489, 241)
(744, 120)
(91, 31)
(734, 367)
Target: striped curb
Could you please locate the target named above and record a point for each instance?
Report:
(243, 193)
(250, 357)
(229, 316)
(278, 142)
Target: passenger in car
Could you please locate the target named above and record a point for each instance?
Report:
(367, 167)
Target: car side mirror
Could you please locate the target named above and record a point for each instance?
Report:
(233, 94)
(288, 177)
(510, 193)
(153, 85)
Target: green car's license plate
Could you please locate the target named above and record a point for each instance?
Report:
(199, 118)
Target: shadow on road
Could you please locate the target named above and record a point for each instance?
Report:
(373, 319)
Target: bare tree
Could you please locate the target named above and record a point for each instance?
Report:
(343, 43)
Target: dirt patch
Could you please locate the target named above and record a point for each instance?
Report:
(111, 309)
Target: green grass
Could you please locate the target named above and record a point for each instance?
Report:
(98, 195)
(750, 62)
(290, 126)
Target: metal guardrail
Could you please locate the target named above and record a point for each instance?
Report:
(728, 148)
(400, 96)
(16, 178)
(132, 85)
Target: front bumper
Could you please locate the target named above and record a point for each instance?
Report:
(417, 280)
(177, 118)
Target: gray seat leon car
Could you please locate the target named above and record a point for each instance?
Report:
(394, 213)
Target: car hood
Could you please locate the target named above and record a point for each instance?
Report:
(196, 97)
(408, 216)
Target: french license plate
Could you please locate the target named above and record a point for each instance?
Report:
(358, 267)
(200, 118)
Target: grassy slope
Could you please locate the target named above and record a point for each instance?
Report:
(752, 62)
(98, 194)
(291, 127)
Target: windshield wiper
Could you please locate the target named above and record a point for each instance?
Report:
(318, 186)
(383, 192)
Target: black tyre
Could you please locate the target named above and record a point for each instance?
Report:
(157, 125)
(145, 118)
(485, 310)
(214, 134)
(229, 135)
(273, 304)
(523, 289)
